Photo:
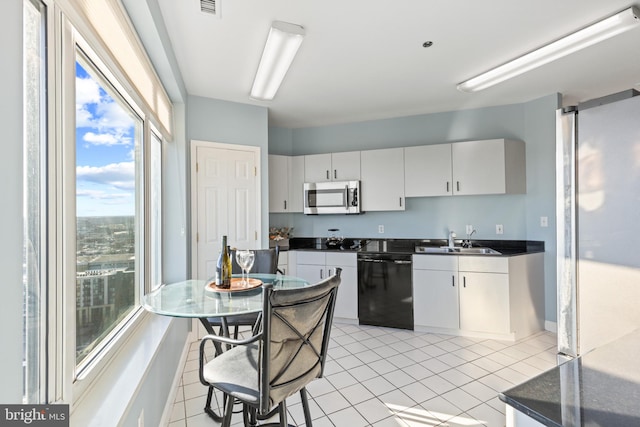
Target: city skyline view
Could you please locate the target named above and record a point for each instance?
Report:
(105, 151)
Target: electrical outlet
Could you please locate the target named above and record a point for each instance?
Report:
(469, 229)
(544, 221)
(381, 229)
(499, 229)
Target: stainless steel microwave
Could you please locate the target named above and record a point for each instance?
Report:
(335, 197)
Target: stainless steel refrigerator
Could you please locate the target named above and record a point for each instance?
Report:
(598, 213)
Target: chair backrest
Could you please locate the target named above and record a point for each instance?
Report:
(266, 261)
(296, 331)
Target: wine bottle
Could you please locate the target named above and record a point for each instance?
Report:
(223, 267)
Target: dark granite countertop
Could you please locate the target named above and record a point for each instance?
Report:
(600, 388)
(408, 246)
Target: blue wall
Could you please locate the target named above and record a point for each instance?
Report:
(432, 217)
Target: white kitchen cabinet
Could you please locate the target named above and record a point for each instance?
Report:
(332, 167)
(427, 170)
(286, 179)
(314, 266)
(382, 186)
(484, 302)
(494, 297)
(495, 166)
(435, 291)
(283, 262)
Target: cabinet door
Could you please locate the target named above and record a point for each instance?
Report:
(382, 186)
(279, 183)
(311, 273)
(484, 302)
(478, 167)
(296, 184)
(317, 167)
(427, 170)
(345, 166)
(347, 301)
(435, 299)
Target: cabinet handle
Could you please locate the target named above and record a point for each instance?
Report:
(321, 277)
(447, 186)
(464, 281)
(328, 177)
(335, 174)
(400, 201)
(285, 205)
(457, 185)
(330, 273)
(453, 281)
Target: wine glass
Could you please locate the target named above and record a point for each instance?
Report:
(245, 259)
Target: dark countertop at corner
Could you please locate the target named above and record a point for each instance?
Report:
(407, 246)
(600, 388)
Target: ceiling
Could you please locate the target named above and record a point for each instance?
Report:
(364, 59)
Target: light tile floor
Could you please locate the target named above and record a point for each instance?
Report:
(390, 377)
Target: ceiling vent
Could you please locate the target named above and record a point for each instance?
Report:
(210, 6)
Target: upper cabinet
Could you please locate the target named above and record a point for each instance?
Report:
(332, 167)
(382, 184)
(286, 179)
(427, 170)
(495, 166)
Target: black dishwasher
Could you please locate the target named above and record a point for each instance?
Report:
(385, 296)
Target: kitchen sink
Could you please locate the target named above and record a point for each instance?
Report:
(455, 250)
(487, 251)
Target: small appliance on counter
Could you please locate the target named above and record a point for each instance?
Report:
(334, 241)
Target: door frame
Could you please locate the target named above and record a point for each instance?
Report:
(193, 146)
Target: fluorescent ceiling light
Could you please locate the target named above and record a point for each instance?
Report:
(282, 44)
(602, 30)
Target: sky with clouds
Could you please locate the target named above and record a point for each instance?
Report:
(105, 150)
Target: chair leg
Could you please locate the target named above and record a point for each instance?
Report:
(228, 411)
(282, 407)
(252, 418)
(305, 407)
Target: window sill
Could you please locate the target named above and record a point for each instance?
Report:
(111, 393)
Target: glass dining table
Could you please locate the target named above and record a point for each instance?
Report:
(202, 300)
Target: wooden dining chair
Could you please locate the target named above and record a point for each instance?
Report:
(261, 372)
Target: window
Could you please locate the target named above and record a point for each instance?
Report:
(109, 208)
(34, 146)
(93, 142)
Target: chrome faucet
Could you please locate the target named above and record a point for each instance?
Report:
(452, 234)
(467, 242)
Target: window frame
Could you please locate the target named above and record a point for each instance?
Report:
(67, 382)
(34, 388)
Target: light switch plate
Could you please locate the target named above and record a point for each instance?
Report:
(499, 229)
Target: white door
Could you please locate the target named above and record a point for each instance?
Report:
(225, 202)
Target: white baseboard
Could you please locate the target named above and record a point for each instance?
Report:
(551, 326)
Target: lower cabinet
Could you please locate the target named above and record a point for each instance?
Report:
(314, 266)
(435, 291)
(500, 297)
